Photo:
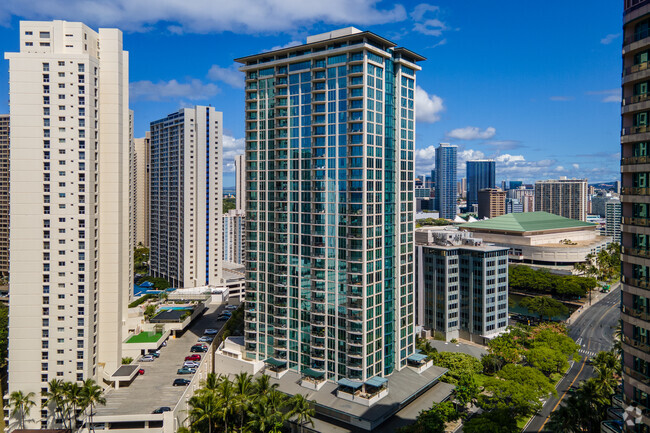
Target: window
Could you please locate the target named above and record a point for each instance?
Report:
(44, 34)
(29, 33)
(46, 67)
(61, 63)
(44, 44)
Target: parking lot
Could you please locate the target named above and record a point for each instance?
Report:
(154, 389)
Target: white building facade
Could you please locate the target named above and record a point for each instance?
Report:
(71, 267)
(186, 197)
(234, 236)
(141, 189)
(240, 182)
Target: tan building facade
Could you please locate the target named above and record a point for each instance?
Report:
(4, 194)
(141, 189)
(71, 273)
(563, 197)
(491, 203)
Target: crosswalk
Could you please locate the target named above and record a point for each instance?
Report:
(587, 352)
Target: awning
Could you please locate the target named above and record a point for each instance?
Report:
(275, 362)
(417, 357)
(349, 383)
(313, 373)
(377, 381)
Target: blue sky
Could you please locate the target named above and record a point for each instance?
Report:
(535, 85)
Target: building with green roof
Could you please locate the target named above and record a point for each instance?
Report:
(541, 238)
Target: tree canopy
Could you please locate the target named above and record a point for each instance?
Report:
(544, 306)
(541, 281)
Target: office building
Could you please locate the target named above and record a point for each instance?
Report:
(4, 194)
(515, 184)
(514, 205)
(72, 265)
(422, 192)
(329, 190)
(462, 284)
(433, 179)
(186, 196)
(635, 200)
(233, 236)
(613, 220)
(491, 203)
(240, 182)
(142, 148)
(564, 197)
(480, 175)
(446, 188)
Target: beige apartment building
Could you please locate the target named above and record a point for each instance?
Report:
(4, 194)
(71, 267)
(564, 197)
(141, 189)
(491, 203)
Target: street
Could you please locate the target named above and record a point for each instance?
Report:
(593, 330)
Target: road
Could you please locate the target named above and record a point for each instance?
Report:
(593, 330)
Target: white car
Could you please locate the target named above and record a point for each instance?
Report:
(191, 364)
(231, 307)
(147, 358)
(210, 331)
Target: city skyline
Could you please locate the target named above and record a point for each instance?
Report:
(504, 114)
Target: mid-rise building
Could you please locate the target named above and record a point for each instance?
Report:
(71, 257)
(613, 220)
(564, 197)
(462, 284)
(446, 187)
(240, 182)
(514, 184)
(330, 136)
(481, 174)
(141, 189)
(422, 192)
(4, 195)
(514, 205)
(635, 200)
(186, 197)
(491, 203)
(234, 236)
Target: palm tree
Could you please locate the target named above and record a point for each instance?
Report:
(263, 385)
(74, 399)
(226, 396)
(566, 418)
(302, 409)
(244, 389)
(55, 395)
(21, 404)
(91, 396)
(211, 382)
(262, 417)
(205, 408)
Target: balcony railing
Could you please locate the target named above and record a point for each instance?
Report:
(635, 160)
(636, 98)
(636, 252)
(643, 284)
(635, 68)
(636, 221)
(630, 190)
(639, 314)
(635, 130)
(636, 343)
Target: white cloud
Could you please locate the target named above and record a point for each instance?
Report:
(609, 38)
(418, 12)
(576, 166)
(287, 45)
(507, 158)
(231, 147)
(425, 21)
(230, 75)
(433, 27)
(439, 44)
(193, 90)
(609, 95)
(204, 16)
(427, 107)
(472, 133)
(559, 168)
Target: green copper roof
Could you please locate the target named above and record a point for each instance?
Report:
(527, 222)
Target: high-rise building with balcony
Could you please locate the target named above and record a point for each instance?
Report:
(4, 194)
(141, 189)
(564, 197)
(186, 197)
(330, 136)
(635, 201)
(481, 174)
(446, 187)
(233, 236)
(240, 182)
(71, 249)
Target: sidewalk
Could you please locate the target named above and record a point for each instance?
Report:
(595, 297)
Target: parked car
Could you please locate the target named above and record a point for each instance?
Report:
(231, 307)
(154, 353)
(147, 358)
(199, 349)
(141, 371)
(222, 317)
(211, 331)
(186, 370)
(206, 339)
(163, 408)
(195, 357)
(181, 382)
(191, 364)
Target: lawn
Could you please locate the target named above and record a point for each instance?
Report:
(145, 337)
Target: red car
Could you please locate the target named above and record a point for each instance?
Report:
(141, 371)
(195, 357)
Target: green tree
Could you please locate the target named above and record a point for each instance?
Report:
(226, 400)
(126, 360)
(492, 421)
(149, 311)
(21, 404)
(457, 363)
(506, 347)
(432, 420)
(4, 333)
(91, 396)
(75, 398)
(205, 409)
(302, 409)
(141, 259)
(55, 396)
(467, 390)
(492, 363)
(547, 360)
(544, 306)
(228, 204)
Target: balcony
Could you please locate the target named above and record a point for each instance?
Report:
(633, 133)
(611, 427)
(636, 252)
(636, 221)
(633, 160)
(630, 190)
(643, 284)
(644, 347)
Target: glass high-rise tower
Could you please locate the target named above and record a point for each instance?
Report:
(446, 187)
(330, 135)
(481, 174)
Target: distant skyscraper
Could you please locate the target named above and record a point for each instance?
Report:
(240, 182)
(491, 203)
(613, 219)
(141, 189)
(4, 194)
(446, 188)
(233, 236)
(514, 205)
(329, 229)
(514, 184)
(564, 197)
(635, 198)
(71, 248)
(186, 197)
(433, 179)
(480, 175)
